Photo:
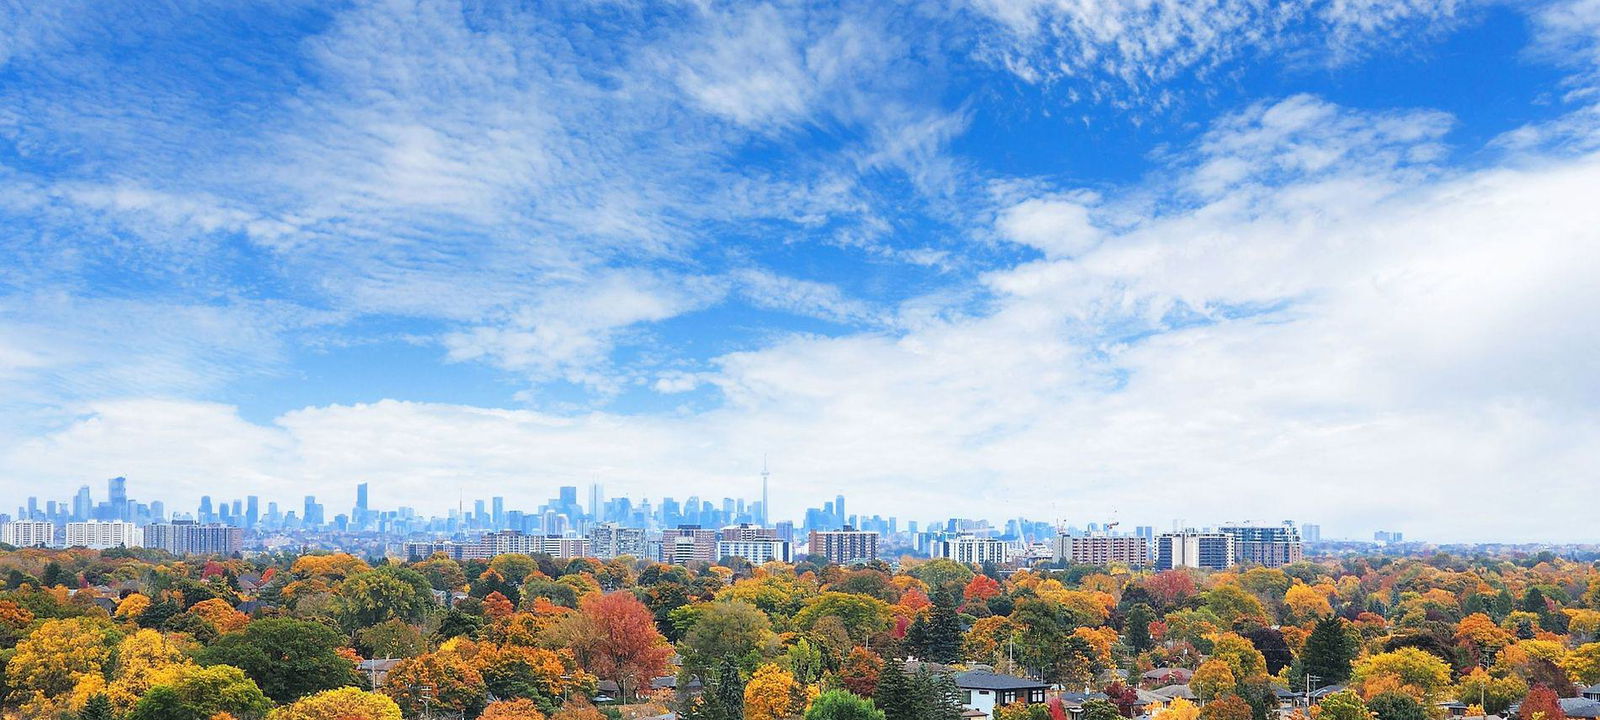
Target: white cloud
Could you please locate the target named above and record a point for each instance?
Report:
(1363, 359)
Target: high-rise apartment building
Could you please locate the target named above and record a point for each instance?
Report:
(28, 533)
(97, 535)
(611, 540)
(117, 488)
(1311, 532)
(845, 545)
(1194, 549)
(190, 538)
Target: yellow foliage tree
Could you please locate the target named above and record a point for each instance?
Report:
(1409, 670)
(131, 606)
(50, 662)
(1178, 709)
(142, 659)
(1213, 680)
(345, 703)
(1306, 603)
(771, 694)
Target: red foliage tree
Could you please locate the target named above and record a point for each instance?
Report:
(980, 589)
(860, 672)
(624, 645)
(1541, 704)
(1171, 587)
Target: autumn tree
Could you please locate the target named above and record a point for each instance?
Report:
(1343, 705)
(518, 709)
(442, 679)
(1410, 670)
(288, 658)
(1542, 703)
(1213, 680)
(54, 658)
(342, 704)
(725, 630)
(623, 645)
(1227, 707)
(220, 615)
(860, 672)
(387, 593)
(1495, 695)
(1178, 709)
(198, 693)
(771, 694)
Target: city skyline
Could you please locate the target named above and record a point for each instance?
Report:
(1148, 260)
(570, 516)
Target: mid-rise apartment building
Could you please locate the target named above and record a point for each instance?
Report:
(1268, 546)
(970, 549)
(845, 545)
(685, 544)
(1194, 549)
(757, 550)
(1102, 550)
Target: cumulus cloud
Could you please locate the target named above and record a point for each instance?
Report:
(1362, 359)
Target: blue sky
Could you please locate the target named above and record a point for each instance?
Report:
(1157, 260)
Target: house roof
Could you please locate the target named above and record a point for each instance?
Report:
(1325, 691)
(1175, 691)
(985, 680)
(1580, 707)
(1179, 673)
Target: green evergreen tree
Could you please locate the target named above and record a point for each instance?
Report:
(894, 695)
(1136, 628)
(97, 708)
(941, 639)
(1328, 651)
(723, 700)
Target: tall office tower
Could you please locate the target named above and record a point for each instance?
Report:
(596, 501)
(1311, 532)
(238, 511)
(1145, 532)
(569, 498)
(360, 513)
(117, 488)
(252, 511)
(1194, 549)
(498, 512)
(480, 513)
(312, 518)
(838, 510)
(205, 514)
(158, 510)
(33, 508)
(273, 517)
(1270, 546)
(82, 504)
